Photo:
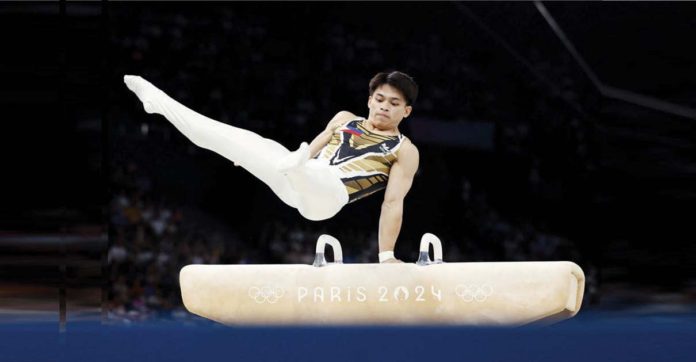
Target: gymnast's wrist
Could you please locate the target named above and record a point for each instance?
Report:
(386, 255)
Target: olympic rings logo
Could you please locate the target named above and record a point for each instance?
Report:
(266, 294)
(470, 293)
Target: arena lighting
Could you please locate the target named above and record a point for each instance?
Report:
(609, 91)
(427, 292)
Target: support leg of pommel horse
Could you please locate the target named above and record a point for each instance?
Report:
(428, 292)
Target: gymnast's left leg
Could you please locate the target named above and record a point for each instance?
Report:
(312, 188)
(254, 153)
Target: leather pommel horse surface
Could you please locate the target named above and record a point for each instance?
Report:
(428, 292)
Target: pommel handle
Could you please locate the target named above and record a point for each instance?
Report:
(424, 256)
(319, 258)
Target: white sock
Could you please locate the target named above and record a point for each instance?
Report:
(146, 92)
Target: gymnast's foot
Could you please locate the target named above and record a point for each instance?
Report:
(146, 92)
(294, 159)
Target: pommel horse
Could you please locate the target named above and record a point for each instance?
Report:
(429, 292)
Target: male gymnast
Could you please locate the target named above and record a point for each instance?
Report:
(350, 159)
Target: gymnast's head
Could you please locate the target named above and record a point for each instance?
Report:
(392, 95)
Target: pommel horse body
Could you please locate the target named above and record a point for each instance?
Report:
(427, 292)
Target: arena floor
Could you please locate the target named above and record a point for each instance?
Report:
(596, 335)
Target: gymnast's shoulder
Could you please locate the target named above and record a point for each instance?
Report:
(407, 150)
(340, 119)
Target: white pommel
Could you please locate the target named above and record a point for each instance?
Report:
(319, 259)
(424, 256)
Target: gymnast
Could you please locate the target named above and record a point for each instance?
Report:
(350, 159)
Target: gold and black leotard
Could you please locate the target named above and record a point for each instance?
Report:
(363, 158)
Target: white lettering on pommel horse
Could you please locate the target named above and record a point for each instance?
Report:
(360, 294)
(383, 294)
(349, 294)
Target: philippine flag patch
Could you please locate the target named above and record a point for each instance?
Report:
(352, 130)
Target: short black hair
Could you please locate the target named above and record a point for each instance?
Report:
(401, 81)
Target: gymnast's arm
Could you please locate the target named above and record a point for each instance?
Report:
(325, 136)
(400, 180)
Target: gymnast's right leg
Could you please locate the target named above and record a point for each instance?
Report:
(258, 155)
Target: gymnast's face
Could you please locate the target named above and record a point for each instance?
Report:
(387, 107)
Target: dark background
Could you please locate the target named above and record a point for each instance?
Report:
(522, 156)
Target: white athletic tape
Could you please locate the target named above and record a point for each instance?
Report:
(385, 255)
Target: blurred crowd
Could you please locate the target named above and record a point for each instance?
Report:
(151, 239)
(230, 61)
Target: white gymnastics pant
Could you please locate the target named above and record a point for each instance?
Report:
(313, 188)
